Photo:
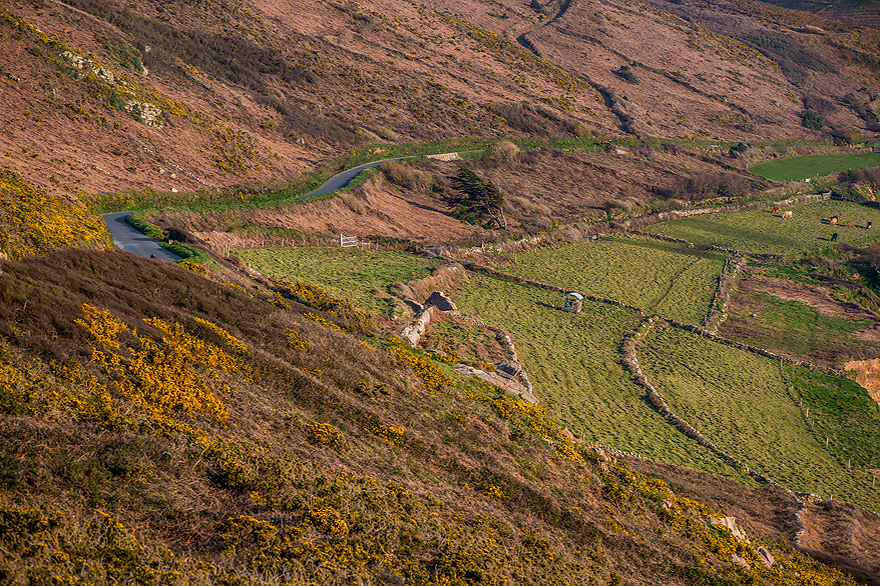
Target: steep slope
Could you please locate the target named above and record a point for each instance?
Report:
(178, 96)
(162, 428)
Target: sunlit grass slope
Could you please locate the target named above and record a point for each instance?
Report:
(750, 408)
(163, 429)
(659, 277)
(575, 363)
(797, 168)
(765, 232)
(795, 328)
(350, 273)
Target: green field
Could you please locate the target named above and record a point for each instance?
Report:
(794, 328)
(749, 407)
(798, 168)
(575, 364)
(765, 232)
(347, 273)
(659, 277)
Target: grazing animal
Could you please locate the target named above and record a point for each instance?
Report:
(786, 214)
(849, 223)
(775, 209)
(834, 237)
(834, 220)
(868, 226)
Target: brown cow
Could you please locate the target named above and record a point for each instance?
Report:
(849, 223)
(833, 220)
(786, 214)
(775, 209)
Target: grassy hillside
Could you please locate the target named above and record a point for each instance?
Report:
(658, 277)
(799, 168)
(750, 408)
(199, 433)
(350, 273)
(808, 231)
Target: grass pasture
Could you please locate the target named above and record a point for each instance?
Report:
(799, 168)
(575, 365)
(745, 405)
(347, 273)
(659, 277)
(765, 232)
(793, 328)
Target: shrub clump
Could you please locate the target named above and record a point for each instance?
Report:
(405, 176)
(627, 74)
(33, 222)
(506, 152)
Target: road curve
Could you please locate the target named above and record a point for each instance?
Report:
(342, 179)
(130, 240)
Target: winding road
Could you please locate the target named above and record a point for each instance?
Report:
(342, 179)
(130, 240)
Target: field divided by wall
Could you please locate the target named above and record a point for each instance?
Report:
(749, 406)
(575, 364)
(660, 277)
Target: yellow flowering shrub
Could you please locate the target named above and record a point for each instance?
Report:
(297, 342)
(279, 302)
(228, 338)
(162, 379)
(100, 326)
(195, 267)
(391, 434)
(324, 434)
(327, 520)
(33, 222)
(354, 319)
(494, 491)
(324, 322)
(54, 548)
(429, 372)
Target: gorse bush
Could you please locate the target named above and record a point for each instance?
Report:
(353, 318)
(33, 222)
(186, 411)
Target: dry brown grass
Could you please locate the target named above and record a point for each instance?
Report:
(453, 448)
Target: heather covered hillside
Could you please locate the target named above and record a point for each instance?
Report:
(279, 410)
(193, 96)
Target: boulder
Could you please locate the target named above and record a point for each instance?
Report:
(729, 523)
(765, 557)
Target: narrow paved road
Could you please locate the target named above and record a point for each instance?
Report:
(130, 240)
(340, 180)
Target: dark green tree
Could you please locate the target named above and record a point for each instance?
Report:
(627, 74)
(475, 200)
